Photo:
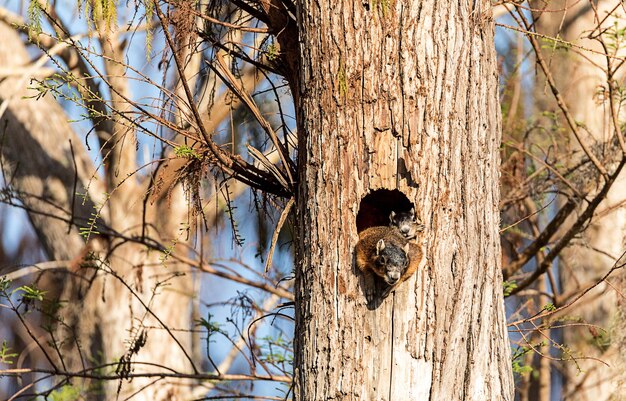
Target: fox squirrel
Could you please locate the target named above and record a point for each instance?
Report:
(407, 223)
(383, 251)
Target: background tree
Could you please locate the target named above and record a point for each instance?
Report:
(565, 164)
(130, 294)
(598, 29)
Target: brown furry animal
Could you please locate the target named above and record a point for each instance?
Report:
(384, 252)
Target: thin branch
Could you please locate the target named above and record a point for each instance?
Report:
(86, 374)
(557, 95)
(531, 250)
(575, 229)
(279, 226)
(17, 272)
(254, 12)
(156, 245)
(207, 268)
(245, 97)
(547, 313)
(234, 164)
(229, 25)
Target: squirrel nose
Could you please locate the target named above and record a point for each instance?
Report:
(404, 229)
(393, 277)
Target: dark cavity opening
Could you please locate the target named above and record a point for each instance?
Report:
(376, 207)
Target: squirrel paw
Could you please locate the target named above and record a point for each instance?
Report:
(370, 294)
(384, 293)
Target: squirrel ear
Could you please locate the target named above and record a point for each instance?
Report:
(380, 246)
(406, 248)
(412, 213)
(392, 216)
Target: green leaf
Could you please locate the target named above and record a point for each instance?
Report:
(30, 293)
(5, 355)
(65, 393)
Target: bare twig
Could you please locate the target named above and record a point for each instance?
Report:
(87, 374)
(557, 95)
(575, 229)
(281, 221)
(234, 165)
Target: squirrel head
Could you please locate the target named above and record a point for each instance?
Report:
(406, 222)
(391, 261)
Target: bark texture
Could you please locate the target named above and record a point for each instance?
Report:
(400, 95)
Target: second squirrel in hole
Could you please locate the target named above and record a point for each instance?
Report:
(408, 224)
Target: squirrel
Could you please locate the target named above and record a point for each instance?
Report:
(385, 252)
(408, 224)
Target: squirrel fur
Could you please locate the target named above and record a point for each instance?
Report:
(385, 252)
(408, 224)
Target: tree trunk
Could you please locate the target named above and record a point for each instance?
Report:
(58, 167)
(105, 315)
(400, 95)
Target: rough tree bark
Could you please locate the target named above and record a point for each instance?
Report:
(581, 80)
(400, 95)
